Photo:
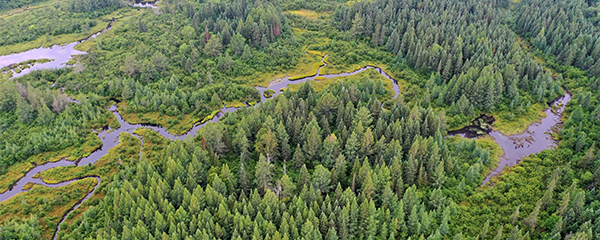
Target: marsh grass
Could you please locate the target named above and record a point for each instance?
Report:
(17, 171)
(126, 152)
(153, 143)
(49, 204)
(310, 14)
(308, 65)
(44, 41)
(93, 42)
(173, 124)
(520, 122)
(484, 143)
(268, 93)
(322, 83)
(236, 104)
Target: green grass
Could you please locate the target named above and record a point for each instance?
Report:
(310, 14)
(322, 83)
(17, 171)
(174, 125)
(268, 93)
(153, 143)
(44, 41)
(308, 65)
(236, 104)
(122, 17)
(127, 151)
(520, 122)
(46, 203)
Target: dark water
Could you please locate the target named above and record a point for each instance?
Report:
(535, 139)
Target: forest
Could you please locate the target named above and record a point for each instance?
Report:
(333, 157)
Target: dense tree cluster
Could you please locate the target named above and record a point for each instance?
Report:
(337, 163)
(35, 120)
(477, 57)
(560, 28)
(248, 175)
(189, 57)
(27, 229)
(12, 4)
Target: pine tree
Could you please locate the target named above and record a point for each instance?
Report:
(213, 47)
(312, 145)
(263, 175)
(321, 179)
(298, 159)
(266, 144)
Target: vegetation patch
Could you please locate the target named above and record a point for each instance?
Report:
(514, 122)
(17, 171)
(211, 116)
(369, 76)
(175, 125)
(235, 104)
(153, 143)
(49, 204)
(310, 14)
(268, 93)
(126, 152)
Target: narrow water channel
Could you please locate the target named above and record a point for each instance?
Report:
(110, 137)
(533, 140)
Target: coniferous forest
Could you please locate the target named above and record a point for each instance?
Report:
(310, 119)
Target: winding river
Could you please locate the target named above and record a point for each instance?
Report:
(535, 137)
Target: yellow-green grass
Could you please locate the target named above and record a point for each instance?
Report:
(153, 143)
(520, 122)
(7, 13)
(44, 41)
(53, 40)
(211, 116)
(495, 149)
(40, 200)
(298, 31)
(352, 2)
(27, 186)
(78, 213)
(17, 171)
(127, 151)
(308, 65)
(236, 104)
(310, 14)
(268, 93)
(322, 83)
(174, 125)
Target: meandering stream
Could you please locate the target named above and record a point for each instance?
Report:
(536, 138)
(110, 137)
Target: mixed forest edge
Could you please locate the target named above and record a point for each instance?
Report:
(334, 158)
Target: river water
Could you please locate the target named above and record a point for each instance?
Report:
(515, 147)
(536, 138)
(58, 54)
